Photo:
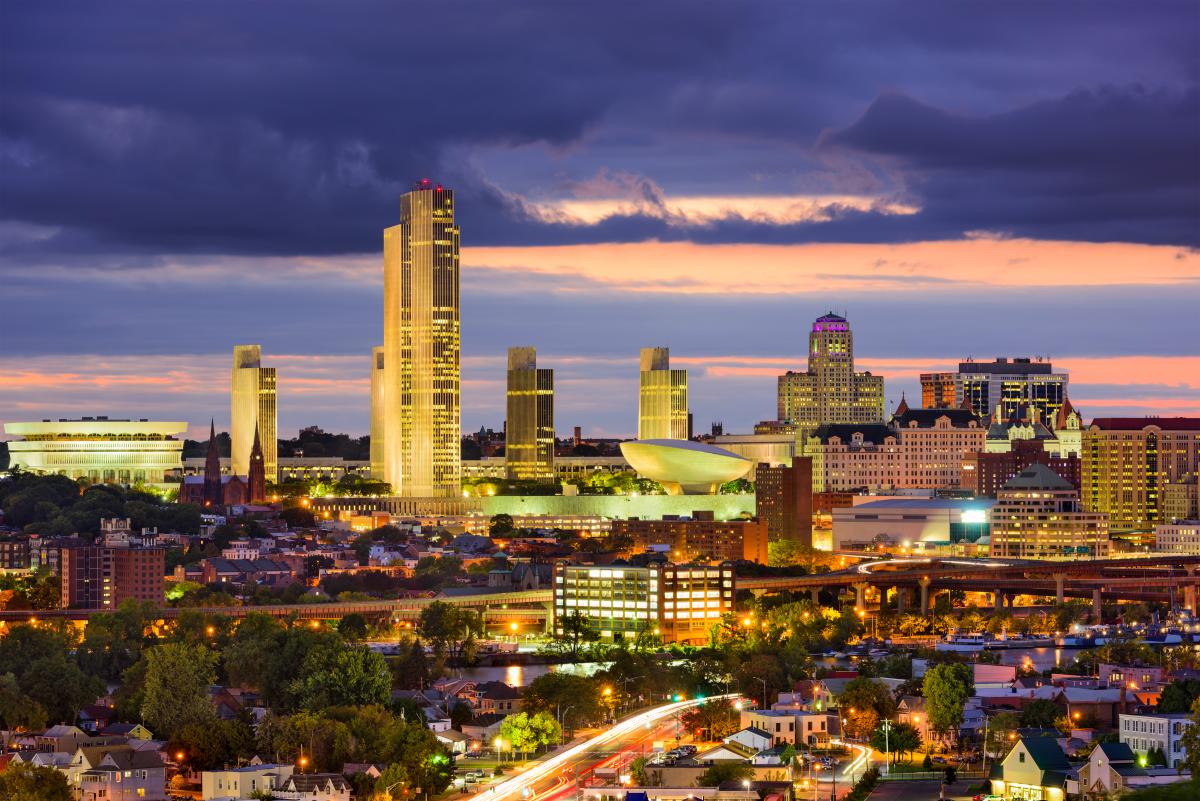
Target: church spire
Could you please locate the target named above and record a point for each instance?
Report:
(903, 407)
(213, 493)
(257, 475)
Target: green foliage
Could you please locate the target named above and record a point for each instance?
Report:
(577, 632)
(896, 739)
(528, 733)
(1191, 742)
(207, 746)
(870, 701)
(449, 630)
(1002, 729)
(1178, 696)
(24, 782)
(1040, 713)
(17, 710)
(714, 719)
(577, 697)
(947, 688)
(113, 641)
(863, 788)
(721, 772)
(175, 691)
(342, 677)
(353, 627)
(500, 524)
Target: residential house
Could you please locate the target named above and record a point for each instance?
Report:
(132, 731)
(1148, 732)
(107, 773)
(498, 697)
(314, 787)
(1035, 768)
(1131, 676)
(751, 737)
(242, 782)
(61, 738)
(1112, 769)
(728, 751)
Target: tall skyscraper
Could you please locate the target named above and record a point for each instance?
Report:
(529, 427)
(377, 412)
(421, 346)
(829, 391)
(1019, 387)
(1129, 461)
(663, 397)
(253, 405)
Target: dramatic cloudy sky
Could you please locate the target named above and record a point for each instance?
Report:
(962, 179)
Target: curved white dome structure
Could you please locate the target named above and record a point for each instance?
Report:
(683, 466)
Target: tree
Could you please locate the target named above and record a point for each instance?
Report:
(576, 698)
(749, 676)
(343, 677)
(1178, 696)
(24, 782)
(1041, 713)
(721, 772)
(448, 629)
(353, 627)
(1001, 732)
(326, 742)
(176, 687)
(715, 718)
(501, 524)
(60, 687)
(1191, 742)
(528, 733)
(461, 714)
(947, 688)
(113, 641)
(864, 702)
(576, 631)
(395, 777)
(210, 745)
(896, 739)
(18, 712)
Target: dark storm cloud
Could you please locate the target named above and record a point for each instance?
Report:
(273, 128)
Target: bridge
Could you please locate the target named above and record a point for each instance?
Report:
(1159, 578)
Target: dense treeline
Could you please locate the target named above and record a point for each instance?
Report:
(58, 506)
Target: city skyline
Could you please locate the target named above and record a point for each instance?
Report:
(998, 196)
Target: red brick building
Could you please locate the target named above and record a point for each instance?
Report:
(784, 500)
(101, 577)
(701, 538)
(985, 473)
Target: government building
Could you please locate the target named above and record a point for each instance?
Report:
(99, 449)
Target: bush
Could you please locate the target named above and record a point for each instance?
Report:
(863, 787)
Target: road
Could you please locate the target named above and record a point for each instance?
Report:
(555, 776)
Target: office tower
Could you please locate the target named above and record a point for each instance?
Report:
(829, 391)
(679, 603)
(938, 390)
(529, 427)
(662, 398)
(1007, 388)
(1129, 461)
(1038, 516)
(378, 447)
(783, 499)
(252, 405)
(421, 346)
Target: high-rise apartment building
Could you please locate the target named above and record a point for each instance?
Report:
(529, 427)
(783, 500)
(1038, 516)
(378, 447)
(662, 397)
(1129, 461)
(253, 406)
(1009, 387)
(101, 576)
(421, 341)
(829, 391)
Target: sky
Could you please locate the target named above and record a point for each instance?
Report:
(960, 180)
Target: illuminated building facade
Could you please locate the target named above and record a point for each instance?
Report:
(701, 538)
(377, 413)
(679, 603)
(421, 341)
(984, 473)
(783, 500)
(529, 427)
(933, 442)
(938, 390)
(662, 397)
(1038, 516)
(1129, 461)
(1180, 536)
(1004, 386)
(99, 449)
(253, 407)
(914, 525)
(829, 391)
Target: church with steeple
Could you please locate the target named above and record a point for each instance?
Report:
(213, 490)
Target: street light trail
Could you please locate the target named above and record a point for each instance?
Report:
(540, 770)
